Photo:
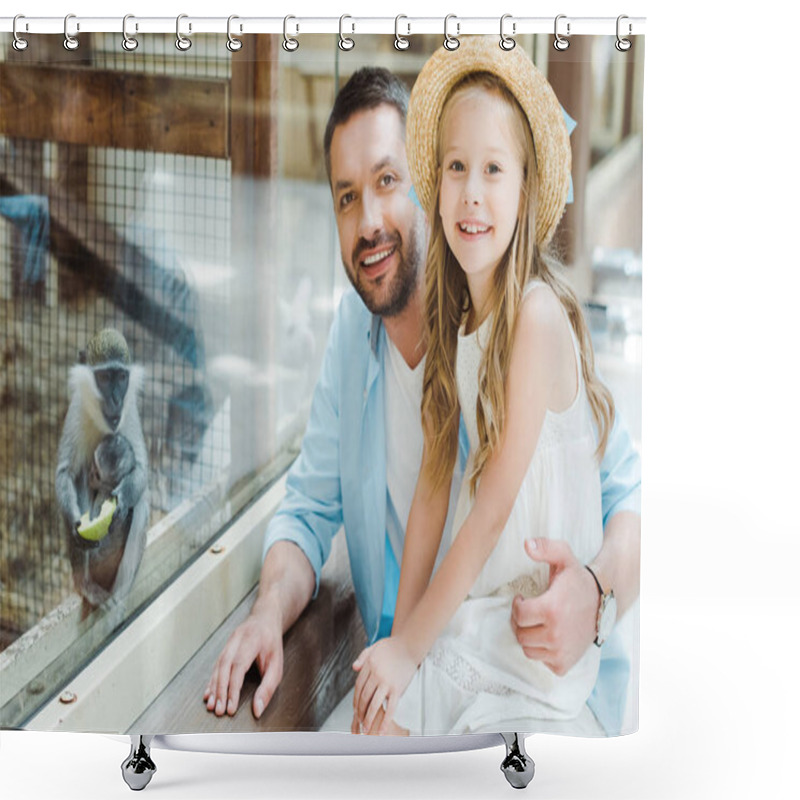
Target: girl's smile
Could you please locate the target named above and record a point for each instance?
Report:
(469, 229)
(482, 173)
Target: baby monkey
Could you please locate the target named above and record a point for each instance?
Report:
(113, 459)
(112, 462)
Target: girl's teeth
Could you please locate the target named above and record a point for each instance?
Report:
(473, 229)
(376, 258)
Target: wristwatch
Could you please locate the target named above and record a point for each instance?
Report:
(606, 614)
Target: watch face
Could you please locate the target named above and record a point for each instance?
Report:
(608, 616)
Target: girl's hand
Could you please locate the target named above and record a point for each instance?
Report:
(385, 670)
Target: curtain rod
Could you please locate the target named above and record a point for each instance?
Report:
(298, 25)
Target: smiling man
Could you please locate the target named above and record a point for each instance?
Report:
(361, 453)
(370, 187)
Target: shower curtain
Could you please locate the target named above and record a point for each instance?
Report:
(211, 261)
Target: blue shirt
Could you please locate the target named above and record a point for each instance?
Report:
(339, 478)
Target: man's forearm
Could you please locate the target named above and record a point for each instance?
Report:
(618, 562)
(286, 584)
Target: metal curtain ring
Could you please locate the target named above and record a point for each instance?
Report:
(451, 42)
(233, 44)
(506, 42)
(345, 43)
(560, 42)
(290, 44)
(19, 44)
(128, 42)
(70, 42)
(182, 42)
(623, 45)
(400, 42)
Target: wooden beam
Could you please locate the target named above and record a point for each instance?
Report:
(570, 75)
(71, 169)
(630, 83)
(254, 107)
(106, 108)
(254, 248)
(147, 291)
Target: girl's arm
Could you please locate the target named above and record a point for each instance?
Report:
(535, 365)
(539, 343)
(423, 535)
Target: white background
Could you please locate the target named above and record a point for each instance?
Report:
(720, 603)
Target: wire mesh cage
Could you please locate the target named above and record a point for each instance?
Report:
(94, 237)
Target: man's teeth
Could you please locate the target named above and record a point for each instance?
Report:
(370, 260)
(473, 228)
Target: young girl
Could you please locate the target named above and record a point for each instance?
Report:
(509, 349)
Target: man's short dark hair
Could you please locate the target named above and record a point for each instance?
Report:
(367, 88)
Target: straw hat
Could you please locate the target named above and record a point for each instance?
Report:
(442, 71)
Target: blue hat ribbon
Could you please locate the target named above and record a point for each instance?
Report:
(571, 125)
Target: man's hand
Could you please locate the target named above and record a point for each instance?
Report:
(258, 639)
(559, 625)
(285, 588)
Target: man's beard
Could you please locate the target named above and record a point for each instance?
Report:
(395, 297)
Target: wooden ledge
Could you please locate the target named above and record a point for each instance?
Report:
(318, 654)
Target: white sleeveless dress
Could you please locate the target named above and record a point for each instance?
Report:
(476, 677)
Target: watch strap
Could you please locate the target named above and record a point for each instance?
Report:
(599, 608)
(599, 587)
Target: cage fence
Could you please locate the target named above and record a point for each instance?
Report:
(95, 237)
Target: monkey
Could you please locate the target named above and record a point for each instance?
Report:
(103, 388)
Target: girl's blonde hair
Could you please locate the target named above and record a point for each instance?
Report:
(447, 300)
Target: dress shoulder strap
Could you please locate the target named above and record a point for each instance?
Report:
(531, 285)
(535, 284)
